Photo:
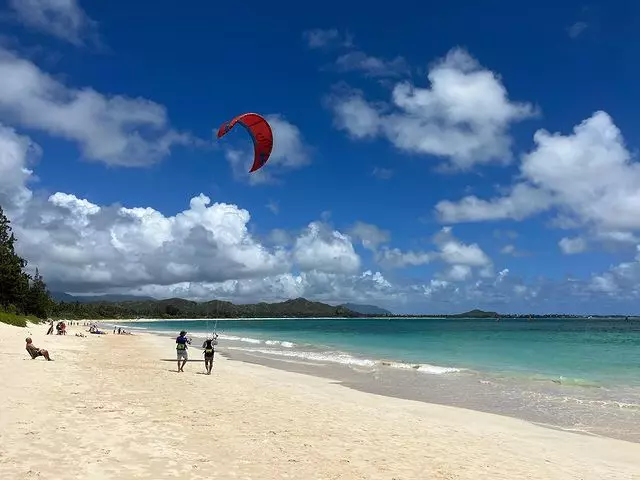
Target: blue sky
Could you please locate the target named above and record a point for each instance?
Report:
(427, 157)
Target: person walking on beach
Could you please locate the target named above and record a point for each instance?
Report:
(209, 351)
(181, 350)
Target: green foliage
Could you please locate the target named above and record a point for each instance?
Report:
(19, 293)
(180, 308)
(476, 314)
(12, 319)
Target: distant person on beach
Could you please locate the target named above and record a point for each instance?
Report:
(209, 351)
(181, 350)
(50, 331)
(36, 352)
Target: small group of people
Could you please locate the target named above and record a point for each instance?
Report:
(120, 331)
(208, 347)
(95, 330)
(60, 327)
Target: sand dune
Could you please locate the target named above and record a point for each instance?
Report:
(108, 407)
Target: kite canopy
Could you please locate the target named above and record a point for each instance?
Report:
(260, 132)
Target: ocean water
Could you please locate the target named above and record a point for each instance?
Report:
(581, 351)
(576, 374)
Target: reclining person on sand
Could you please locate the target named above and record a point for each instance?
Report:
(36, 352)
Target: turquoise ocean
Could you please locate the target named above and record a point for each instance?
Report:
(599, 352)
(577, 374)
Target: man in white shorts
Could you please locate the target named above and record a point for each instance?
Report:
(181, 350)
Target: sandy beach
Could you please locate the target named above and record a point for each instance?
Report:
(111, 407)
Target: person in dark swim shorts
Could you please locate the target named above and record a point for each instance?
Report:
(209, 351)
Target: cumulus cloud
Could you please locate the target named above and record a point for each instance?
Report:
(325, 250)
(370, 235)
(460, 257)
(588, 178)
(396, 258)
(207, 251)
(289, 152)
(571, 246)
(16, 152)
(463, 117)
(621, 281)
(115, 130)
(203, 251)
(64, 19)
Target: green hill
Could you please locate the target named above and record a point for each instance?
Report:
(476, 314)
(181, 308)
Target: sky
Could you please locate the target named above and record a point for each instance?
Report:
(428, 158)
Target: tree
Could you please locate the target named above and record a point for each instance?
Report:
(19, 293)
(14, 282)
(38, 300)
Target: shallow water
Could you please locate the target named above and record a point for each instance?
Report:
(577, 374)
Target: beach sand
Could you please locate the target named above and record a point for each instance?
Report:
(109, 407)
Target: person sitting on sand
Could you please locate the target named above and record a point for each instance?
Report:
(181, 350)
(209, 351)
(36, 352)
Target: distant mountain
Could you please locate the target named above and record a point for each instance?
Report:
(65, 297)
(181, 308)
(476, 314)
(366, 309)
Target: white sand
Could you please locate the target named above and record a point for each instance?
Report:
(109, 408)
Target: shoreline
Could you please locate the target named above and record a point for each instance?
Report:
(543, 401)
(213, 319)
(252, 421)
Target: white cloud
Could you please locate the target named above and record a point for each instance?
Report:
(372, 66)
(15, 152)
(321, 286)
(319, 38)
(508, 249)
(588, 177)
(370, 235)
(523, 201)
(396, 258)
(321, 249)
(64, 19)
(355, 115)
(91, 247)
(116, 130)
(455, 252)
(289, 152)
(513, 251)
(464, 116)
(621, 281)
(571, 246)
(207, 251)
(458, 273)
